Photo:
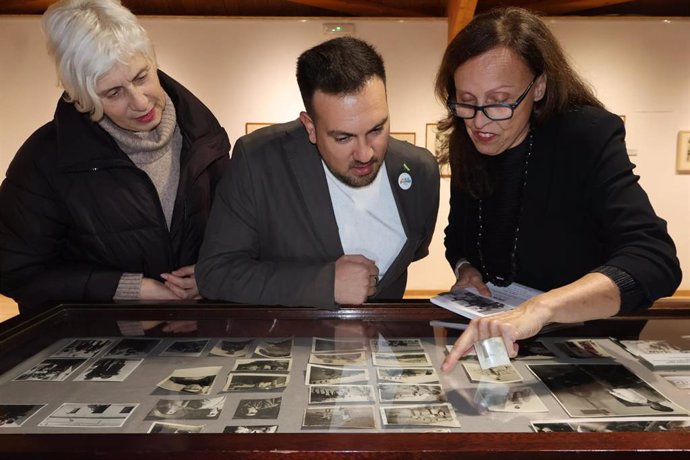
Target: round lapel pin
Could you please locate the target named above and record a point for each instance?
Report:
(405, 181)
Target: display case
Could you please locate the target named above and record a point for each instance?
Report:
(211, 381)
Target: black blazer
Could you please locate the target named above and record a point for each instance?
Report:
(272, 237)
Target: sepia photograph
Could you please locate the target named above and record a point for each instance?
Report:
(640, 347)
(321, 345)
(256, 382)
(419, 415)
(402, 392)
(262, 364)
(133, 348)
(603, 390)
(207, 408)
(498, 374)
(14, 415)
(396, 345)
(233, 348)
(186, 347)
(321, 394)
(581, 348)
(82, 348)
(99, 415)
(356, 359)
(339, 417)
(681, 381)
(274, 348)
(197, 380)
(109, 370)
(175, 428)
(268, 408)
(52, 369)
(613, 425)
(407, 374)
(334, 375)
(401, 359)
(250, 429)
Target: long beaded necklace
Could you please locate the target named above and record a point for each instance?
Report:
(497, 279)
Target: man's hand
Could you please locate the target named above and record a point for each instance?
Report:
(468, 276)
(182, 283)
(356, 278)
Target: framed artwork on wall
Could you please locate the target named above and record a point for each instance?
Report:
(406, 137)
(249, 127)
(433, 142)
(683, 152)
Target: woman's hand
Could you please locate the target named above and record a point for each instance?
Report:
(468, 276)
(182, 283)
(155, 290)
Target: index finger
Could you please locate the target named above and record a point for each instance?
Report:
(460, 348)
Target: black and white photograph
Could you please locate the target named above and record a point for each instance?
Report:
(256, 382)
(401, 345)
(267, 408)
(250, 429)
(186, 347)
(638, 347)
(603, 390)
(354, 359)
(82, 348)
(504, 398)
(402, 392)
(339, 417)
(321, 345)
(332, 394)
(82, 415)
(681, 381)
(233, 348)
(419, 415)
(174, 428)
(274, 348)
(206, 408)
(133, 348)
(581, 348)
(15, 415)
(334, 375)
(534, 349)
(407, 375)
(196, 380)
(401, 359)
(262, 365)
(470, 304)
(613, 425)
(109, 370)
(52, 369)
(498, 374)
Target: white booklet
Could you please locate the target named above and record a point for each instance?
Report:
(468, 303)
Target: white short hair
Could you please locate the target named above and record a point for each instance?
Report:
(87, 38)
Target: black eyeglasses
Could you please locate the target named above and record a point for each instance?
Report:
(495, 112)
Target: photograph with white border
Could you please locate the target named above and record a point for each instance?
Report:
(276, 365)
(407, 359)
(419, 415)
(206, 408)
(499, 374)
(96, 415)
(15, 415)
(333, 394)
(82, 348)
(52, 370)
(407, 375)
(174, 428)
(233, 348)
(354, 359)
(274, 348)
(410, 393)
(339, 417)
(323, 345)
(256, 382)
(335, 375)
(109, 370)
(196, 380)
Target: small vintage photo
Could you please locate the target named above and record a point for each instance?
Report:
(196, 380)
(321, 345)
(407, 375)
(333, 394)
(582, 348)
(233, 348)
(82, 348)
(14, 415)
(681, 381)
(401, 359)
(401, 392)
(262, 365)
(603, 390)
(133, 348)
(504, 398)
(176, 428)
(99, 415)
(274, 348)
(498, 374)
(334, 375)
(267, 408)
(474, 305)
(109, 370)
(533, 349)
(52, 369)
(207, 408)
(419, 415)
(251, 429)
(256, 382)
(186, 347)
(613, 425)
(339, 417)
(354, 359)
(642, 347)
(396, 345)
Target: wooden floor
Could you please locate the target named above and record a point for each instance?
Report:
(8, 308)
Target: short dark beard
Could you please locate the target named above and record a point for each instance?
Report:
(357, 182)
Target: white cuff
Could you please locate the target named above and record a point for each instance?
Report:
(459, 265)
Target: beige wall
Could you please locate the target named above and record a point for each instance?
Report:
(244, 70)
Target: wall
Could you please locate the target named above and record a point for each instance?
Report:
(244, 70)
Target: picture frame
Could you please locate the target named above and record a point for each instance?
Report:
(405, 137)
(252, 126)
(683, 153)
(432, 141)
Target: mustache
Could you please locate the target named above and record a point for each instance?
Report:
(361, 164)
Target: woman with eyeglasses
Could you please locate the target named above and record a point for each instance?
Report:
(109, 200)
(542, 189)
